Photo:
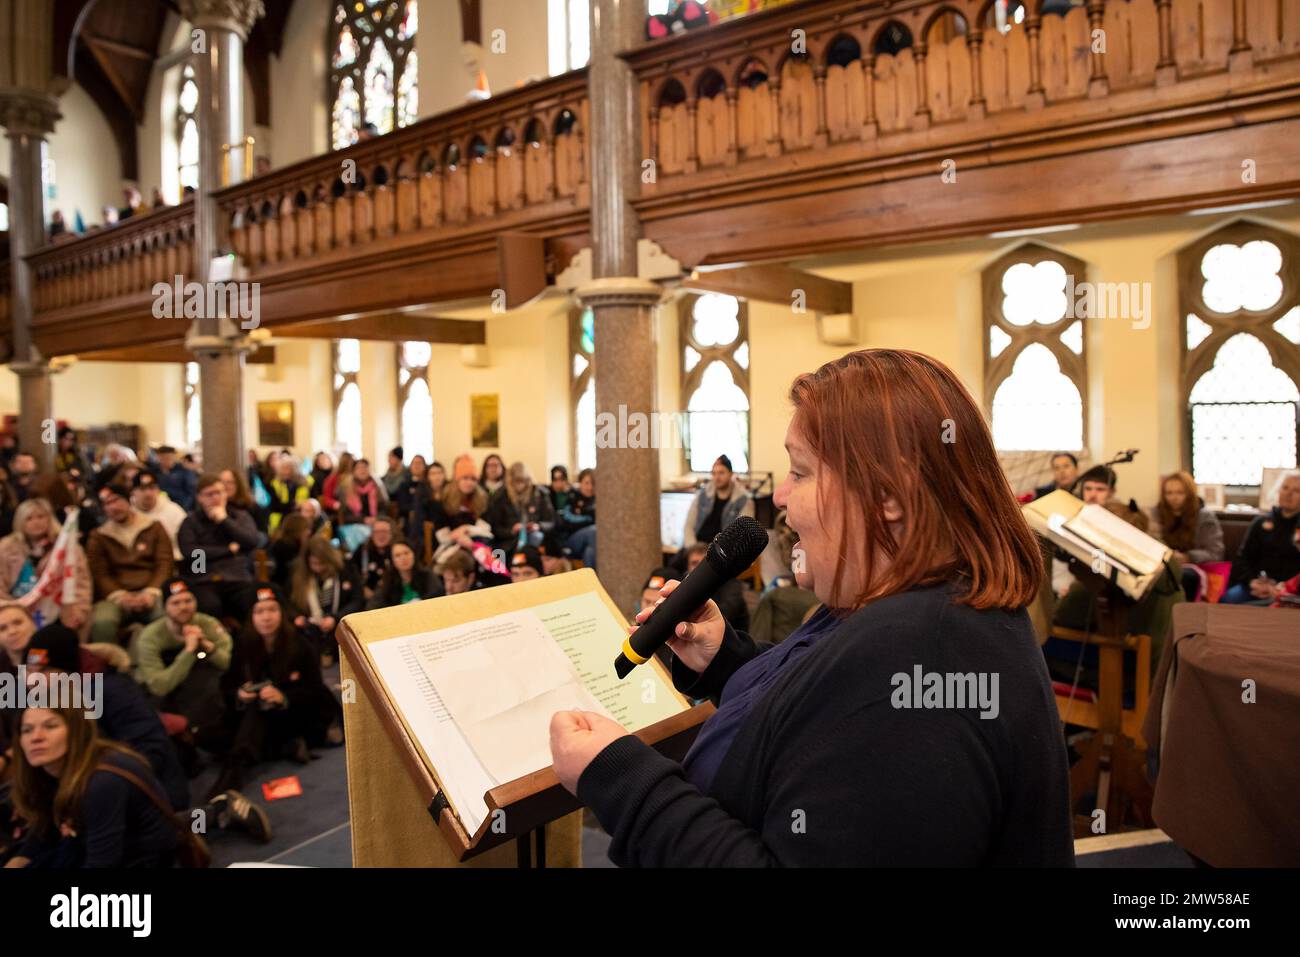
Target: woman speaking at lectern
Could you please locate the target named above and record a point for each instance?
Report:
(910, 720)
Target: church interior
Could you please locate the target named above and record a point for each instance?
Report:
(357, 258)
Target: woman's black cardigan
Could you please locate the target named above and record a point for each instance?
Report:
(825, 771)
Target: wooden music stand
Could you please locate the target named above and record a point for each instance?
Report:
(1112, 762)
(400, 814)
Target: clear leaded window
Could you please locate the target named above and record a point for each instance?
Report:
(715, 380)
(1034, 359)
(582, 387)
(414, 400)
(1240, 300)
(347, 396)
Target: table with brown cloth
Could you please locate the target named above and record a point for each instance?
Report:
(1228, 786)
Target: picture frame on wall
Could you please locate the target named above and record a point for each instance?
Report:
(485, 421)
(275, 423)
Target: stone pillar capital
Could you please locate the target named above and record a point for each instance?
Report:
(31, 368)
(619, 291)
(236, 15)
(28, 112)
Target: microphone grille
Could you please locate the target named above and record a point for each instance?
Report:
(736, 547)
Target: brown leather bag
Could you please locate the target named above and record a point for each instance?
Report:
(191, 850)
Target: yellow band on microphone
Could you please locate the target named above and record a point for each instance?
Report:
(631, 654)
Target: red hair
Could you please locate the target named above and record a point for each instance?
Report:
(892, 424)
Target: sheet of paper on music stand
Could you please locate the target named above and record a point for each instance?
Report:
(580, 627)
(501, 680)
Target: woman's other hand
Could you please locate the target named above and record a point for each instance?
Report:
(697, 639)
(576, 738)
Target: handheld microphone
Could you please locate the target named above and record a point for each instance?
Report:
(735, 549)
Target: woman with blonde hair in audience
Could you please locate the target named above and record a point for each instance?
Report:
(288, 544)
(24, 555)
(75, 790)
(520, 512)
(1183, 522)
(466, 503)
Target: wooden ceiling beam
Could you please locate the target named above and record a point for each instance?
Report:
(109, 69)
(167, 352)
(116, 46)
(775, 283)
(390, 327)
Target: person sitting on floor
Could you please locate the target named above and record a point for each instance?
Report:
(79, 812)
(215, 545)
(148, 500)
(129, 557)
(180, 659)
(277, 703)
(324, 589)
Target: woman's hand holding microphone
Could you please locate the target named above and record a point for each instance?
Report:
(578, 736)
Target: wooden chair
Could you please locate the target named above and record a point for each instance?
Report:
(428, 543)
(262, 565)
(753, 574)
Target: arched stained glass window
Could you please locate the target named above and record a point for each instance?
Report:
(347, 396)
(715, 380)
(187, 131)
(373, 67)
(414, 400)
(1240, 301)
(1035, 351)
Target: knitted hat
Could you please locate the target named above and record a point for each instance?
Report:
(173, 587)
(527, 557)
(660, 577)
(55, 646)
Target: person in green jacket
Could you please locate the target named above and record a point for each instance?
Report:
(180, 658)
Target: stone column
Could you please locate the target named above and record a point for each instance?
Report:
(627, 520)
(220, 29)
(28, 117)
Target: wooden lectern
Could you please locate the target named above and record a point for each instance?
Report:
(399, 812)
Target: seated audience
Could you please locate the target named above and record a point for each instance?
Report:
(79, 812)
(519, 512)
(287, 544)
(730, 598)
(1270, 552)
(360, 497)
(1184, 524)
(374, 555)
(416, 484)
(577, 524)
(465, 503)
(783, 606)
(1286, 594)
(22, 476)
(180, 658)
(176, 480)
(427, 502)
(493, 475)
(398, 475)
(721, 501)
(311, 510)
(66, 454)
(125, 714)
(460, 573)
(526, 564)
(1065, 474)
(405, 580)
(277, 703)
(324, 589)
(238, 496)
(130, 557)
(216, 544)
(147, 499)
(8, 502)
(34, 573)
(321, 467)
(288, 490)
(559, 489)
(329, 498)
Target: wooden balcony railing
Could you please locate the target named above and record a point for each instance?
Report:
(837, 88)
(516, 161)
(116, 263)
